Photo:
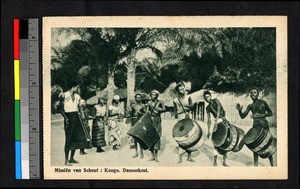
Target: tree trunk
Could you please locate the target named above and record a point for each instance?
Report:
(110, 86)
(130, 81)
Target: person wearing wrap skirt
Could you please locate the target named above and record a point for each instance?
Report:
(156, 107)
(99, 124)
(76, 136)
(114, 119)
(136, 111)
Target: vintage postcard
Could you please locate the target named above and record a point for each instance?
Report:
(165, 97)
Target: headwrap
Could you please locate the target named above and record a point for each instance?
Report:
(181, 83)
(116, 97)
(156, 92)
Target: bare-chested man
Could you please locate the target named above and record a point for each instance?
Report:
(260, 110)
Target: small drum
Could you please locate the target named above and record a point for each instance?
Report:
(228, 137)
(188, 134)
(261, 141)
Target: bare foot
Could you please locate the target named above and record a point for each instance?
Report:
(225, 164)
(152, 159)
(141, 156)
(73, 161)
(67, 163)
(191, 160)
(135, 155)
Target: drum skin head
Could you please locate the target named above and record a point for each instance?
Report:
(219, 136)
(183, 127)
(144, 132)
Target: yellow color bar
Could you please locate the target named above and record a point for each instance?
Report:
(17, 79)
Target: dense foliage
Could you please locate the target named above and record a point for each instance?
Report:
(222, 59)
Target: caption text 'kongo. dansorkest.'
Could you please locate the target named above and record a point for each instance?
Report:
(101, 170)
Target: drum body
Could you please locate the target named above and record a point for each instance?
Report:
(188, 134)
(261, 141)
(228, 137)
(144, 132)
(240, 141)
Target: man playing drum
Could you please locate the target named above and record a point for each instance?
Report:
(215, 108)
(260, 110)
(136, 111)
(155, 108)
(182, 107)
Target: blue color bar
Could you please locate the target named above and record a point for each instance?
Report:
(18, 160)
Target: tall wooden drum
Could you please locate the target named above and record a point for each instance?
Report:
(261, 141)
(228, 137)
(188, 134)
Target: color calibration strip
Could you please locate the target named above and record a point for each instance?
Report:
(26, 85)
(18, 164)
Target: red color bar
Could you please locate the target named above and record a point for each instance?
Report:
(16, 39)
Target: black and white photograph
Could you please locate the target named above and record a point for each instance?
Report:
(188, 97)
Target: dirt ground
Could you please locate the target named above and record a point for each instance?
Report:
(167, 156)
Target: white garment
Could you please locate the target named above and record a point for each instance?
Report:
(101, 110)
(114, 110)
(69, 104)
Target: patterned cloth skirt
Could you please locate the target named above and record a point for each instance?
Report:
(114, 133)
(98, 133)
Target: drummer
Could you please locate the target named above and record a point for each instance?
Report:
(136, 111)
(182, 108)
(260, 110)
(215, 108)
(155, 108)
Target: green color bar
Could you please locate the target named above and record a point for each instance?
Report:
(17, 120)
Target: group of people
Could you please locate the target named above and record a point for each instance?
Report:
(105, 126)
(76, 117)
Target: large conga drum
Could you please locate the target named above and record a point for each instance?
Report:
(188, 134)
(228, 137)
(144, 132)
(261, 141)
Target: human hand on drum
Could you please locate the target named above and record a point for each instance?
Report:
(239, 107)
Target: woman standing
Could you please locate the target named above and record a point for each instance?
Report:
(114, 117)
(156, 107)
(99, 123)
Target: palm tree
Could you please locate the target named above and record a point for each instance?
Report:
(104, 49)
